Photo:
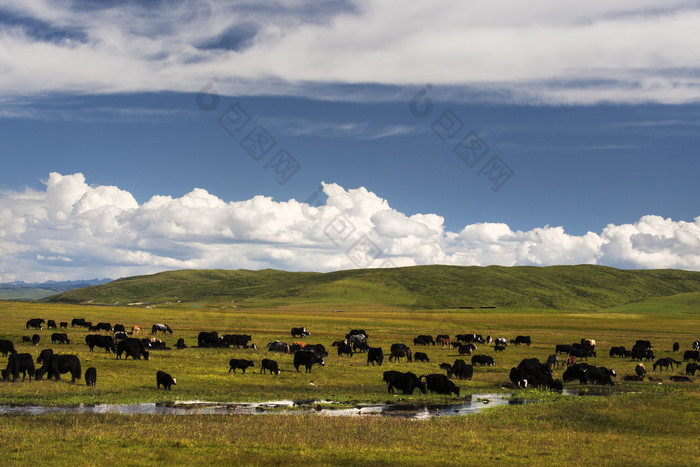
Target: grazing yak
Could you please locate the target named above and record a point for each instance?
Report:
(406, 382)
(19, 363)
(51, 324)
(103, 327)
(59, 338)
(35, 339)
(469, 338)
(58, 364)
(91, 376)
(643, 344)
(582, 351)
(482, 360)
(98, 340)
(676, 346)
(240, 364)
(640, 354)
(36, 323)
(586, 373)
(300, 332)
(562, 348)
(77, 322)
(239, 340)
(440, 384)
(180, 344)
(307, 359)
(466, 349)
(133, 348)
(345, 349)
(641, 370)
(208, 339)
(530, 372)
(400, 350)
(164, 379)
(553, 361)
(691, 355)
(617, 351)
(277, 346)
(421, 357)
(460, 369)
(270, 365)
(375, 355)
(522, 340)
(423, 339)
(6, 346)
(691, 368)
(119, 328)
(360, 346)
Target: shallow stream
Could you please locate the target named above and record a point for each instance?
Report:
(470, 405)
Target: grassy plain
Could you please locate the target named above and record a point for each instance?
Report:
(656, 424)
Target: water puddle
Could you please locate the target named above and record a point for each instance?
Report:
(473, 404)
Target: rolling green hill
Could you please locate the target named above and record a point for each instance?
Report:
(583, 287)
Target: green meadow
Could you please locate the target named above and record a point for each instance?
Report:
(654, 422)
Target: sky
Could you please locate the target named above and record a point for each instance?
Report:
(137, 137)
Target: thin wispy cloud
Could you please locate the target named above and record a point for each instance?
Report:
(657, 123)
(330, 129)
(29, 111)
(609, 147)
(544, 53)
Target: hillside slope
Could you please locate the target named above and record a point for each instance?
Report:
(582, 287)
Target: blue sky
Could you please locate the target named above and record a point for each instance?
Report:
(121, 153)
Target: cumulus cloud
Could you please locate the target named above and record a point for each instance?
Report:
(73, 230)
(552, 52)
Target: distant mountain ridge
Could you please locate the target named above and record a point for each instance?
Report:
(20, 290)
(582, 287)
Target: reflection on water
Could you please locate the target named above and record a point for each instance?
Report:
(472, 404)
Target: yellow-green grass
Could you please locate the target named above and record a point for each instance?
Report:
(640, 423)
(638, 429)
(202, 374)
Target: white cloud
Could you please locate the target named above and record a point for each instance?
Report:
(72, 230)
(543, 52)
